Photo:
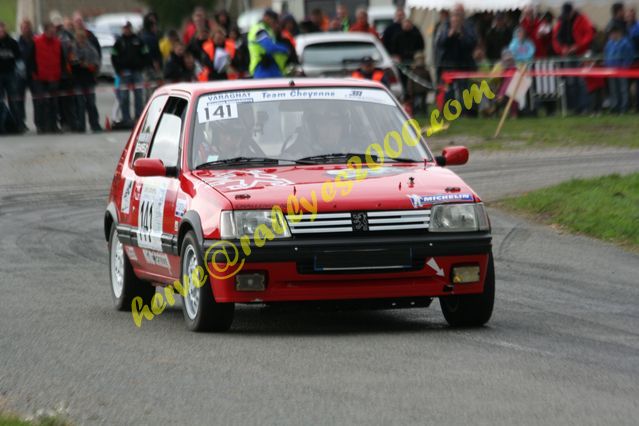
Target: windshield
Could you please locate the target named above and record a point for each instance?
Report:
(338, 54)
(295, 124)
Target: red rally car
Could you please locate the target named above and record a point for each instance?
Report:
(212, 169)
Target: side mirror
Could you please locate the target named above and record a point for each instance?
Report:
(453, 156)
(149, 167)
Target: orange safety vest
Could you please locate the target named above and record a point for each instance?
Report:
(209, 49)
(378, 75)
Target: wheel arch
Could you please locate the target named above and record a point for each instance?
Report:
(110, 217)
(190, 222)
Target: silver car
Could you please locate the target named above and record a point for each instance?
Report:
(337, 54)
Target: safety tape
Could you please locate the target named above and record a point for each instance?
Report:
(60, 93)
(595, 72)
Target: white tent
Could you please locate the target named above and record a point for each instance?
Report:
(597, 10)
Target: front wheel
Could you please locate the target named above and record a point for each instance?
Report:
(201, 311)
(472, 310)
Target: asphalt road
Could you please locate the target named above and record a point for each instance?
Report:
(562, 347)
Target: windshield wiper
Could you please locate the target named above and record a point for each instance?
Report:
(248, 160)
(341, 155)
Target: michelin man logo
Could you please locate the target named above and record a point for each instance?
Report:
(233, 182)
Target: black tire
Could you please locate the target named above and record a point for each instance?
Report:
(472, 310)
(131, 286)
(207, 315)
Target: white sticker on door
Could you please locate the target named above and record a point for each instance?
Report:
(150, 216)
(125, 203)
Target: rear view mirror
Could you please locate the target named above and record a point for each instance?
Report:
(453, 156)
(149, 167)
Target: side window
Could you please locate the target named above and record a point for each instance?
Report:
(166, 142)
(146, 132)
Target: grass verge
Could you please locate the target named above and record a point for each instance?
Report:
(606, 208)
(541, 132)
(44, 420)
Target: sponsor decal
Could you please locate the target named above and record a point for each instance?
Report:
(127, 191)
(216, 112)
(130, 251)
(421, 200)
(180, 207)
(154, 258)
(354, 174)
(150, 216)
(233, 181)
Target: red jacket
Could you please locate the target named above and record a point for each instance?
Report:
(582, 32)
(47, 58)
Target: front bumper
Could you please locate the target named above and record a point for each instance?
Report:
(293, 272)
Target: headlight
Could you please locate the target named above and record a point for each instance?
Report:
(458, 218)
(235, 224)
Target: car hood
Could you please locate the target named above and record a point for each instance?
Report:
(388, 188)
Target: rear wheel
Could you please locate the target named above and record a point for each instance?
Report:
(201, 311)
(472, 310)
(125, 286)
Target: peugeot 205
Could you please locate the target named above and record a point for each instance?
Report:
(317, 191)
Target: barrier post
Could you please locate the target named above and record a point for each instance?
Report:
(522, 73)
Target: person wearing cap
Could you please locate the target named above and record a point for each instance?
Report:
(130, 57)
(368, 71)
(267, 57)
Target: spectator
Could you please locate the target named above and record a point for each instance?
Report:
(631, 17)
(342, 18)
(417, 92)
(361, 23)
(85, 64)
(314, 23)
(595, 87)
(129, 57)
(618, 53)
(25, 41)
(573, 32)
(368, 71)
(456, 43)
(197, 25)
(289, 28)
(149, 36)
(67, 114)
(572, 36)
(10, 56)
(240, 62)
(195, 46)
(78, 25)
(440, 27)
(407, 41)
(543, 37)
(46, 62)
(175, 69)
(617, 20)
(522, 49)
(223, 20)
(217, 53)
(507, 63)
(267, 56)
(388, 37)
(167, 43)
(498, 37)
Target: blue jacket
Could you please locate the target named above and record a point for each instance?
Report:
(522, 52)
(619, 53)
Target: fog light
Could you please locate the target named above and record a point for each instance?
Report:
(465, 274)
(250, 282)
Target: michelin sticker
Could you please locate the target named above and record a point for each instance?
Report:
(125, 203)
(130, 251)
(421, 200)
(150, 216)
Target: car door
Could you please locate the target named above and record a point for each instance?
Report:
(154, 198)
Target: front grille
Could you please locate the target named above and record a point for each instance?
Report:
(328, 223)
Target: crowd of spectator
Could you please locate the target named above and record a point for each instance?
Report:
(60, 65)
